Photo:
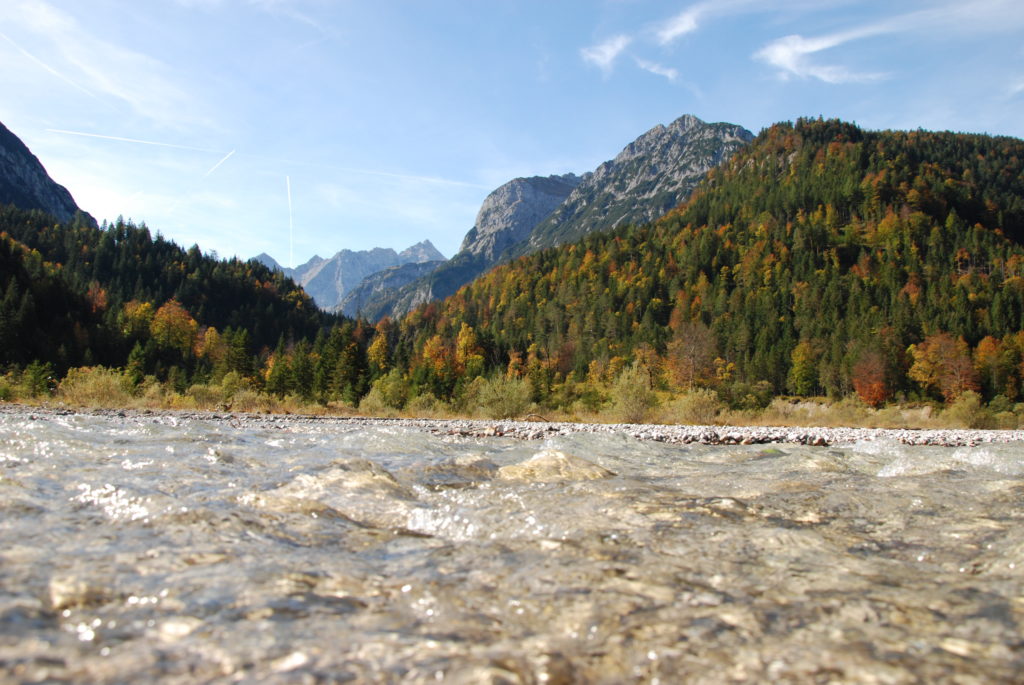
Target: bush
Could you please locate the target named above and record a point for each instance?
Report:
(503, 398)
(699, 407)
(632, 396)
(207, 396)
(748, 396)
(37, 379)
(96, 386)
(373, 404)
(967, 411)
(999, 404)
(425, 404)
(392, 390)
(1006, 420)
(252, 402)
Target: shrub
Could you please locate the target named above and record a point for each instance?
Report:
(967, 411)
(632, 396)
(1006, 420)
(373, 404)
(96, 386)
(748, 396)
(425, 404)
(503, 398)
(700, 407)
(251, 401)
(37, 379)
(392, 390)
(207, 396)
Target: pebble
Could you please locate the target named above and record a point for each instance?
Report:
(526, 430)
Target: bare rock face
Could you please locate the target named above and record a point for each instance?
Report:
(509, 214)
(364, 299)
(25, 184)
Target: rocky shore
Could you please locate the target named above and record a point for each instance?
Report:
(539, 430)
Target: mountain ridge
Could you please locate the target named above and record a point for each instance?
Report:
(329, 280)
(25, 183)
(650, 176)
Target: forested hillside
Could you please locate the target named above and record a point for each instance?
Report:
(821, 259)
(73, 295)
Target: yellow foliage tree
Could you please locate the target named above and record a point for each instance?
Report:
(173, 327)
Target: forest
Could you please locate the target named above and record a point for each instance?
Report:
(820, 261)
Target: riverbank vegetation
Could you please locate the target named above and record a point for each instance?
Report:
(629, 400)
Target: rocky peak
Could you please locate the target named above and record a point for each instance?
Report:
(423, 251)
(650, 176)
(25, 183)
(328, 281)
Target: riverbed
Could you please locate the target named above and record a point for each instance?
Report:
(218, 548)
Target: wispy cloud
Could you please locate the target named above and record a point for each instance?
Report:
(689, 20)
(681, 24)
(64, 48)
(791, 56)
(657, 69)
(603, 55)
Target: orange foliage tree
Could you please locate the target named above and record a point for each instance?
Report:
(869, 378)
(943, 363)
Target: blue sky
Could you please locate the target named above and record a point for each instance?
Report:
(390, 121)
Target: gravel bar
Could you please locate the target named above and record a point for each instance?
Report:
(539, 430)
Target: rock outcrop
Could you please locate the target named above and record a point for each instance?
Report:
(25, 184)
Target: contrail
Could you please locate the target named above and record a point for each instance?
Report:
(291, 227)
(47, 67)
(217, 165)
(132, 140)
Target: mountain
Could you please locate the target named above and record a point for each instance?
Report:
(506, 218)
(25, 184)
(423, 251)
(366, 299)
(509, 214)
(328, 281)
(821, 258)
(649, 177)
(653, 174)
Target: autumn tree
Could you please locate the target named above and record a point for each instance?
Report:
(870, 379)
(691, 354)
(135, 318)
(174, 328)
(942, 363)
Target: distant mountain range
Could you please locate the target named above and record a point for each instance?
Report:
(328, 281)
(653, 174)
(25, 184)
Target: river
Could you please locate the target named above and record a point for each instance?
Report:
(142, 548)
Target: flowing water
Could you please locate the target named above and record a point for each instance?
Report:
(185, 550)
